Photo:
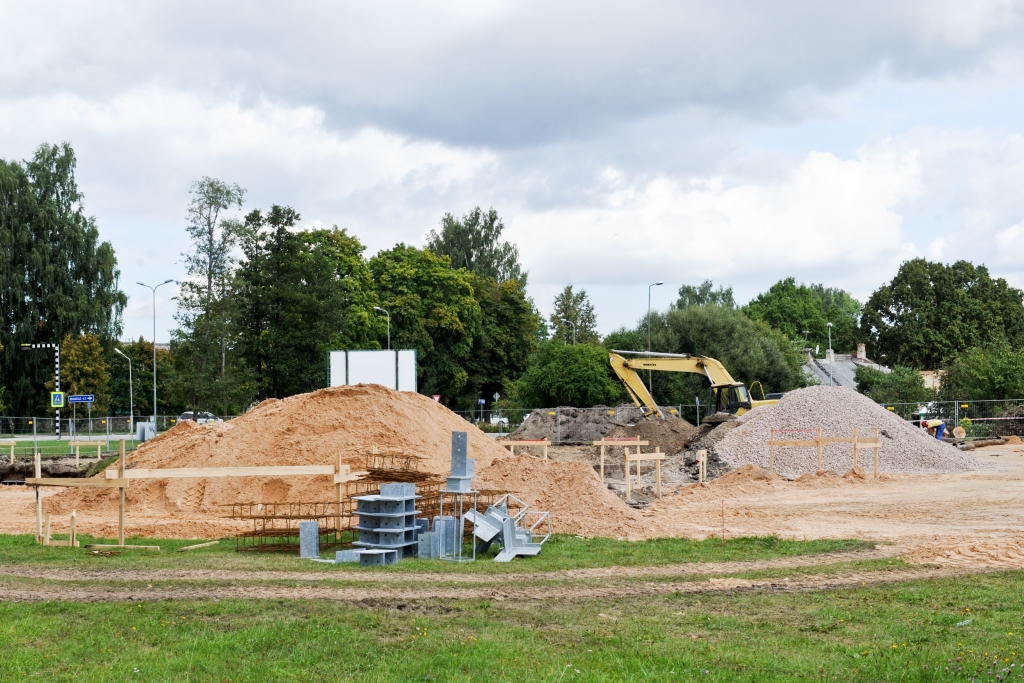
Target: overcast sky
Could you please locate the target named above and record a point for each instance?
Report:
(622, 143)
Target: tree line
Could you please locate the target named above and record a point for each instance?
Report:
(263, 302)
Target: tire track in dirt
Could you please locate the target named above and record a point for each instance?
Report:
(394, 595)
(682, 569)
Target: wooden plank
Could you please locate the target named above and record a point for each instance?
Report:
(64, 544)
(645, 456)
(793, 443)
(621, 442)
(203, 472)
(340, 479)
(120, 546)
(78, 483)
(199, 545)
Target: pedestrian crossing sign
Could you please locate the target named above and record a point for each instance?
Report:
(56, 399)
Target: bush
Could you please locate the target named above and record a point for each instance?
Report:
(902, 385)
(565, 375)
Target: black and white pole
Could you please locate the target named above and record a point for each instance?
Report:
(56, 374)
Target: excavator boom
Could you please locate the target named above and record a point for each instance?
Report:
(730, 395)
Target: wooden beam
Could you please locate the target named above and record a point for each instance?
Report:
(197, 545)
(204, 472)
(635, 457)
(11, 444)
(72, 536)
(79, 483)
(120, 546)
(46, 529)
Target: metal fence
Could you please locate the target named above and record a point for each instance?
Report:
(576, 425)
(79, 428)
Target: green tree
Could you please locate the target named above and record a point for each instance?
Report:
(752, 351)
(56, 276)
(204, 375)
(433, 310)
(566, 375)
(901, 385)
(931, 312)
(505, 340)
(299, 296)
(705, 294)
(473, 242)
(141, 354)
(984, 372)
(84, 370)
(577, 309)
(795, 309)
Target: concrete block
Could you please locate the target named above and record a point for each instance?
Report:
(309, 539)
(145, 431)
(426, 546)
(398, 490)
(346, 556)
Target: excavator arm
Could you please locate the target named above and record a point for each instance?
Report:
(730, 395)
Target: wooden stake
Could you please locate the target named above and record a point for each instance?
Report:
(625, 468)
(46, 529)
(771, 451)
(855, 448)
(120, 509)
(819, 450)
(340, 486)
(876, 453)
(602, 463)
(197, 545)
(39, 500)
(72, 536)
(657, 470)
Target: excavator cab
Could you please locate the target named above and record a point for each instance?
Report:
(731, 398)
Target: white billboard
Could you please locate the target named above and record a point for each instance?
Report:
(391, 369)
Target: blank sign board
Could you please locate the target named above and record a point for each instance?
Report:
(392, 369)
(373, 367)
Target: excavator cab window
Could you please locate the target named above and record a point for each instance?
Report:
(731, 399)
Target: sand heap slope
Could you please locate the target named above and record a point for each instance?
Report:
(314, 429)
(905, 448)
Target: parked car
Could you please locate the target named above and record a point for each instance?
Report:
(199, 418)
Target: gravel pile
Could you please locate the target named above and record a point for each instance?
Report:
(576, 425)
(905, 448)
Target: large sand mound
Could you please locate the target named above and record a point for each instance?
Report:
(314, 429)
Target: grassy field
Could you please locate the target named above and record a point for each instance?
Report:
(52, 448)
(560, 552)
(959, 629)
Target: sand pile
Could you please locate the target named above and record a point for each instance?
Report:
(575, 425)
(314, 429)
(905, 448)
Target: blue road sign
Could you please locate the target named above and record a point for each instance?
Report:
(81, 398)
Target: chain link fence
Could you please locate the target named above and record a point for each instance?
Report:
(980, 419)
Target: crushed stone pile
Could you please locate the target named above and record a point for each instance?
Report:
(837, 410)
(577, 425)
(672, 434)
(314, 429)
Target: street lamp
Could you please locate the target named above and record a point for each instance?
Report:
(154, 340)
(131, 393)
(573, 326)
(830, 354)
(378, 308)
(656, 284)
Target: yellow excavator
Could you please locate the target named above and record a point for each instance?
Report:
(728, 395)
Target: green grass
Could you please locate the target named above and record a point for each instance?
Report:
(560, 553)
(914, 631)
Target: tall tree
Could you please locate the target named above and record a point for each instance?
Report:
(202, 343)
(140, 392)
(56, 276)
(433, 310)
(984, 373)
(705, 294)
(473, 242)
(930, 312)
(507, 337)
(577, 309)
(797, 308)
(566, 375)
(300, 295)
(84, 370)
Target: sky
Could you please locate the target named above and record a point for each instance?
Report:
(622, 143)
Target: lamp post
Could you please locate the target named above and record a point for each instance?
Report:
(650, 378)
(830, 354)
(154, 341)
(378, 308)
(131, 393)
(573, 326)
